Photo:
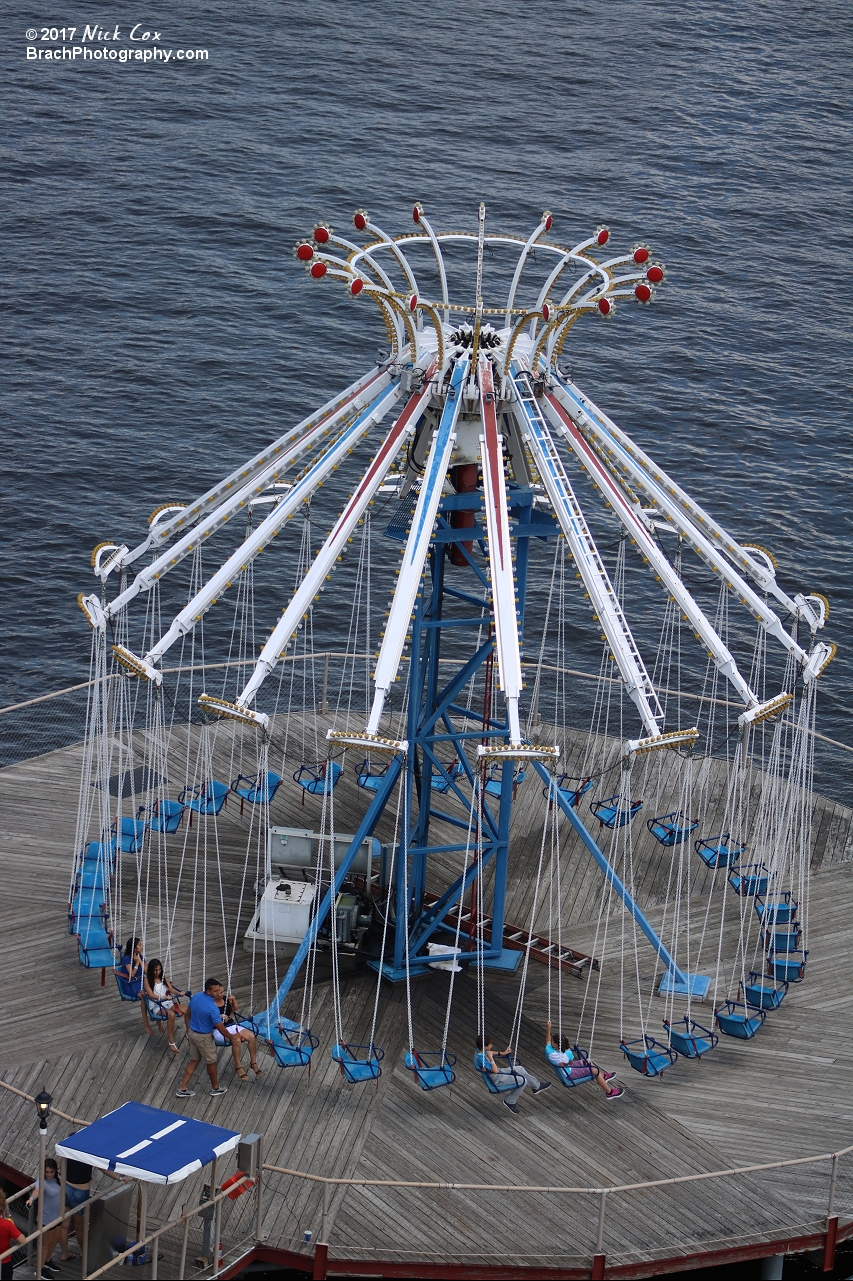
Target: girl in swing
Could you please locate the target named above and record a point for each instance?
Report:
(559, 1055)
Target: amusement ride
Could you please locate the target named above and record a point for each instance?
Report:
(462, 457)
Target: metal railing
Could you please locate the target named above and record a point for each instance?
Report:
(825, 1221)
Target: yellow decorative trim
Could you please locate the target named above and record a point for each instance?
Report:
(371, 742)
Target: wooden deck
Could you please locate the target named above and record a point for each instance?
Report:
(784, 1094)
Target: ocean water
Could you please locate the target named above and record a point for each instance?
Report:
(157, 329)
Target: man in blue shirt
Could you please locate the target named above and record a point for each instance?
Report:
(205, 1017)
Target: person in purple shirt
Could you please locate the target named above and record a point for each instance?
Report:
(559, 1055)
(205, 1017)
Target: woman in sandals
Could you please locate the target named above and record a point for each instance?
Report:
(165, 997)
(230, 1014)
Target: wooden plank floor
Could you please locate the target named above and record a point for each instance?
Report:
(785, 1093)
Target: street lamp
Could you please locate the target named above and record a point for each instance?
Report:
(42, 1102)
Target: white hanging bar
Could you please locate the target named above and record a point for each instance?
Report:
(417, 545)
(603, 598)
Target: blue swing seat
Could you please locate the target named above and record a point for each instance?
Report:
(369, 776)
(319, 778)
(208, 798)
(739, 1020)
(258, 789)
(784, 940)
(163, 816)
(292, 1048)
(763, 992)
(715, 851)
(571, 795)
(493, 782)
(101, 852)
(357, 1070)
(751, 881)
(647, 1056)
(481, 1063)
(431, 1075)
(132, 834)
(127, 991)
(609, 814)
(87, 909)
(691, 1041)
(92, 876)
(791, 966)
(157, 1009)
(780, 910)
(672, 829)
(95, 949)
(454, 771)
(580, 1060)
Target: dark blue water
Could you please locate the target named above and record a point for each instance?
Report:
(158, 330)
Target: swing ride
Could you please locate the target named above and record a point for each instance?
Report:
(465, 514)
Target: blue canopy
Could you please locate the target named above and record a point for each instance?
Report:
(165, 1147)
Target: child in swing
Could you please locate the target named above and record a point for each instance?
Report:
(559, 1055)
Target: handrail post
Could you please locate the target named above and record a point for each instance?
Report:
(259, 1205)
(182, 1270)
(599, 1257)
(832, 1178)
(321, 1250)
(40, 1242)
(84, 1247)
(217, 1228)
(31, 1219)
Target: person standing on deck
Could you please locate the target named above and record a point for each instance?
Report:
(205, 1017)
(484, 1061)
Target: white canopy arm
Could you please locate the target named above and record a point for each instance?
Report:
(417, 545)
(500, 553)
(676, 513)
(241, 497)
(268, 529)
(605, 602)
(357, 394)
(590, 417)
(326, 558)
(631, 521)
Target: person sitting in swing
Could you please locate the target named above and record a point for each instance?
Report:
(132, 969)
(485, 1062)
(167, 997)
(559, 1055)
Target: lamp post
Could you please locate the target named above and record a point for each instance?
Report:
(42, 1102)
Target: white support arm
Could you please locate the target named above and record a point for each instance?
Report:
(269, 528)
(332, 548)
(500, 554)
(677, 514)
(357, 394)
(284, 458)
(519, 267)
(417, 545)
(650, 550)
(603, 598)
(590, 417)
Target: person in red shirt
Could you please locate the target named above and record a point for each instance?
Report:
(9, 1236)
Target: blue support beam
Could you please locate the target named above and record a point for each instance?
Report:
(675, 980)
(270, 1018)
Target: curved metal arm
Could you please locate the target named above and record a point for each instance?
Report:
(519, 268)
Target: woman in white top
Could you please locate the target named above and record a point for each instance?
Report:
(165, 998)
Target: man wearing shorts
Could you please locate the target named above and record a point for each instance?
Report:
(205, 1017)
